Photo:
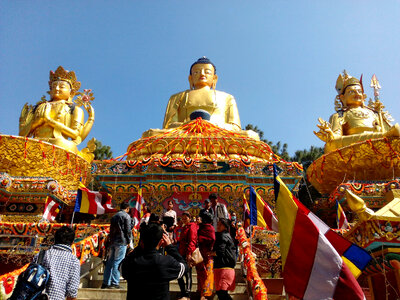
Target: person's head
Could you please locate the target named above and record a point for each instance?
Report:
(186, 218)
(206, 218)
(207, 203)
(223, 225)
(198, 220)
(203, 74)
(124, 206)
(154, 218)
(213, 198)
(170, 205)
(151, 236)
(350, 91)
(233, 216)
(65, 235)
(63, 84)
(147, 209)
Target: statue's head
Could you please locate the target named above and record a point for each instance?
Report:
(203, 74)
(350, 90)
(63, 84)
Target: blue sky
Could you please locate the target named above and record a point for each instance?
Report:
(280, 59)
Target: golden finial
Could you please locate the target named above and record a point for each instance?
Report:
(64, 75)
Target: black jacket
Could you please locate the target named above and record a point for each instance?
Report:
(225, 250)
(120, 228)
(148, 273)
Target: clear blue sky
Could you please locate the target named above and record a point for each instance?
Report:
(280, 59)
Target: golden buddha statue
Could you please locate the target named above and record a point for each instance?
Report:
(354, 121)
(59, 121)
(219, 107)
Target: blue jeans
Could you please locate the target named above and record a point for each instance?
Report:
(111, 272)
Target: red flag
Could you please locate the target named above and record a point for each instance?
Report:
(51, 209)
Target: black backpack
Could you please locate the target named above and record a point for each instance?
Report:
(32, 282)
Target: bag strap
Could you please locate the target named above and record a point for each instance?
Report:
(40, 257)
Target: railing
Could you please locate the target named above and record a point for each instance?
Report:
(258, 289)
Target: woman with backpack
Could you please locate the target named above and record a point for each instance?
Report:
(224, 260)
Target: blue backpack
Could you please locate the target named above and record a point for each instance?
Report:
(32, 282)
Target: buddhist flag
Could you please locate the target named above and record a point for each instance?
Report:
(51, 209)
(137, 207)
(341, 219)
(246, 215)
(260, 212)
(88, 202)
(312, 268)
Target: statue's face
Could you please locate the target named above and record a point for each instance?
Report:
(60, 90)
(353, 96)
(203, 75)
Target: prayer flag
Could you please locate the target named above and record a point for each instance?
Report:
(88, 202)
(246, 215)
(341, 219)
(260, 212)
(137, 207)
(51, 209)
(312, 268)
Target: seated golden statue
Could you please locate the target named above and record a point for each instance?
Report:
(59, 121)
(220, 107)
(354, 121)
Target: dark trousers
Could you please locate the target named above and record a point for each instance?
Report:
(186, 284)
(223, 295)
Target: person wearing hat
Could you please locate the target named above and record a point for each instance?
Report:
(224, 260)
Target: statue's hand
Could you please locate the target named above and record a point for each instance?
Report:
(325, 132)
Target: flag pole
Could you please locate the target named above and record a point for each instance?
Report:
(72, 220)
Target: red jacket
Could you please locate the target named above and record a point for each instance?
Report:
(206, 235)
(188, 239)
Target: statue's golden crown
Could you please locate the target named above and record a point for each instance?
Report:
(64, 75)
(344, 81)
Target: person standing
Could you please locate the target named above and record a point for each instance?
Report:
(224, 260)
(187, 244)
(147, 271)
(170, 219)
(119, 238)
(207, 208)
(206, 238)
(64, 267)
(219, 210)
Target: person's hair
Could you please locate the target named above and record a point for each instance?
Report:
(124, 205)
(186, 213)
(225, 222)
(206, 217)
(154, 218)
(213, 196)
(202, 60)
(170, 201)
(65, 235)
(151, 235)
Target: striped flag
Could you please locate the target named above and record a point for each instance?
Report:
(137, 207)
(341, 219)
(51, 209)
(312, 268)
(260, 212)
(246, 215)
(88, 202)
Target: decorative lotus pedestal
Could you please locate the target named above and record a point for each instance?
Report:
(188, 163)
(32, 170)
